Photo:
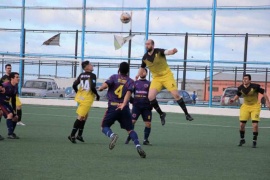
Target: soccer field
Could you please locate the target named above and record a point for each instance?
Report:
(203, 149)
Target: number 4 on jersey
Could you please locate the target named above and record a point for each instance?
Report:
(85, 85)
(119, 91)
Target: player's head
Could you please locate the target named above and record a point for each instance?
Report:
(246, 79)
(8, 68)
(87, 66)
(14, 78)
(144, 74)
(124, 68)
(149, 45)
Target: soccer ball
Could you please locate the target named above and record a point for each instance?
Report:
(125, 18)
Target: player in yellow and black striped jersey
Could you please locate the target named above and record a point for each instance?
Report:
(250, 109)
(155, 60)
(85, 96)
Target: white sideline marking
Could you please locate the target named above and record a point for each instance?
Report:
(188, 124)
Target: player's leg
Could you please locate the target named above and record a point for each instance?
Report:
(255, 116)
(155, 87)
(135, 112)
(10, 121)
(126, 123)
(1, 114)
(19, 111)
(147, 118)
(244, 116)
(170, 84)
(82, 111)
(109, 118)
(81, 128)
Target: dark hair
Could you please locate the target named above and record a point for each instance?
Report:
(13, 74)
(247, 75)
(85, 63)
(7, 65)
(124, 68)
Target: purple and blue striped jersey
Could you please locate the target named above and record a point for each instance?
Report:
(118, 85)
(10, 91)
(141, 89)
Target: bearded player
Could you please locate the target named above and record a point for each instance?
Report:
(155, 60)
(251, 107)
(142, 106)
(85, 96)
(120, 87)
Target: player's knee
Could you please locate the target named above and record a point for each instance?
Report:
(133, 122)
(18, 107)
(151, 97)
(148, 124)
(10, 116)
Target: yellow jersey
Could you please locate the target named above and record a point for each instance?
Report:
(156, 63)
(250, 93)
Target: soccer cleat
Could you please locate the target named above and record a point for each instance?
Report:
(128, 139)
(242, 141)
(1, 138)
(72, 139)
(13, 136)
(80, 138)
(146, 142)
(113, 141)
(254, 145)
(162, 118)
(141, 152)
(20, 123)
(188, 117)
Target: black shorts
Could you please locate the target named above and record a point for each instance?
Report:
(146, 113)
(6, 109)
(122, 116)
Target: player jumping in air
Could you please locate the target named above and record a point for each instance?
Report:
(142, 106)
(120, 87)
(155, 60)
(251, 108)
(6, 78)
(9, 96)
(85, 96)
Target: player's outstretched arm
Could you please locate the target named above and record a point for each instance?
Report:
(266, 100)
(171, 52)
(126, 100)
(103, 86)
(140, 72)
(236, 97)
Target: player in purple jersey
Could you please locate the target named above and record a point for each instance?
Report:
(2, 90)
(120, 87)
(9, 111)
(142, 106)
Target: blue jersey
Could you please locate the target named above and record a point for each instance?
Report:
(10, 91)
(141, 90)
(118, 86)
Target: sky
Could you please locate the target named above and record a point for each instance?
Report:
(228, 48)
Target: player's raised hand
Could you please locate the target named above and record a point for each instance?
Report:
(137, 77)
(174, 50)
(231, 101)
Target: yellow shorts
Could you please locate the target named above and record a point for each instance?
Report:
(84, 104)
(250, 112)
(166, 81)
(18, 101)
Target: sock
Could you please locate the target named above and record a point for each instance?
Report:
(81, 128)
(155, 105)
(255, 135)
(107, 131)
(133, 135)
(147, 131)
(183, 105)
(14, 123)
(9, 126)
(75, 128)
(19, 113)
(242, 134)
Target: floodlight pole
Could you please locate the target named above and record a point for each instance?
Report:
(212, 51)
(185, 63)
(245, 54)
(129, 43)
(22, 45)
(147, 19)
(83, 30)
(76, 54)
